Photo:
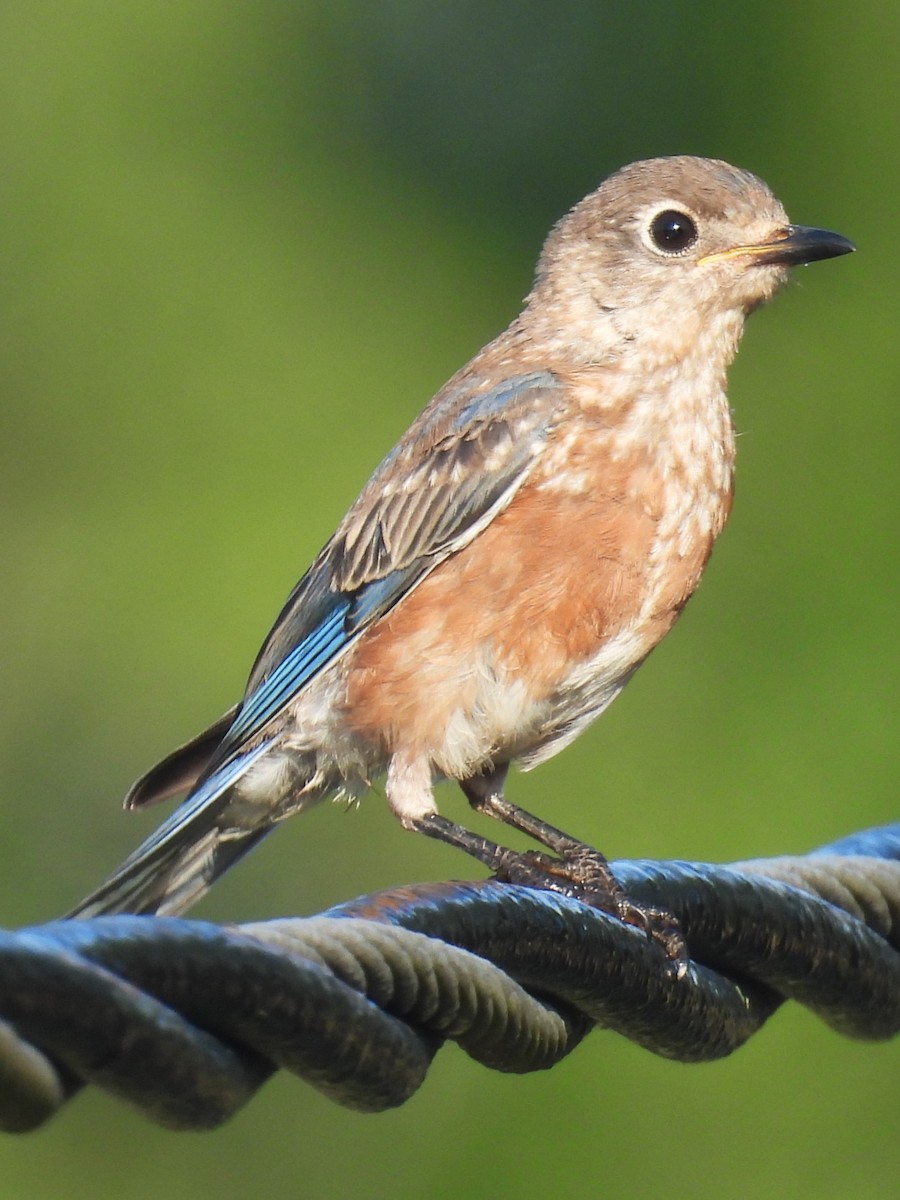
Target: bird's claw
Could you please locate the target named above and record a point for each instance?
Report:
(583, 874)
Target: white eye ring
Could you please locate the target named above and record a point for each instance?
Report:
(671, 231)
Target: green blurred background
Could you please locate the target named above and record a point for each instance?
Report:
(240, 246)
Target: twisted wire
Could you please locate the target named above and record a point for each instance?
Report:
(185, 1019)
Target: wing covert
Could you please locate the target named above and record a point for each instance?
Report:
(458, 465)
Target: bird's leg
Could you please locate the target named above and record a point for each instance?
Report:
(498, 859)
(576, 864)
(578, 871)
(573, 868)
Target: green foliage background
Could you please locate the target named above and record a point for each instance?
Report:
(240, 246)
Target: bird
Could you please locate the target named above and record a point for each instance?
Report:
(513, 559)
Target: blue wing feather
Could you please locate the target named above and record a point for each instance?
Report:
(200, 799)
(295, 670)
(143, 879)
(457, 465)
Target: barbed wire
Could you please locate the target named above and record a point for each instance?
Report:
(186, 1019)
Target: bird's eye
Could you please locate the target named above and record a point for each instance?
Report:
(672, 231)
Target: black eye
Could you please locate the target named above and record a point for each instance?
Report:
(673, 232)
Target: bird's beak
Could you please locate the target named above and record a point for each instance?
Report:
(791, 246)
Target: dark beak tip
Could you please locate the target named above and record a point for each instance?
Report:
(839, 245)
(806, 245)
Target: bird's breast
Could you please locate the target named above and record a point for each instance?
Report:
(560, 597)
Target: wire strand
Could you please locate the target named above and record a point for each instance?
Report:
(185, 1019)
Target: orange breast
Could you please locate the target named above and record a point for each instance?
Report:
(539, 591)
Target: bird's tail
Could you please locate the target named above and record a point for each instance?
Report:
(178, 863)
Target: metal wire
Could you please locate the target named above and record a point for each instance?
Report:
(185, 1019)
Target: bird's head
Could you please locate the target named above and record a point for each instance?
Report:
(668, 246)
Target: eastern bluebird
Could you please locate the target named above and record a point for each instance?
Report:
(514, 558)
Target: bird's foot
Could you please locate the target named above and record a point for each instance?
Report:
(573, 869)
(583, 873)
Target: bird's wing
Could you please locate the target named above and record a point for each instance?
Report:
(456, 468)
(177, 863)
(180, 770)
